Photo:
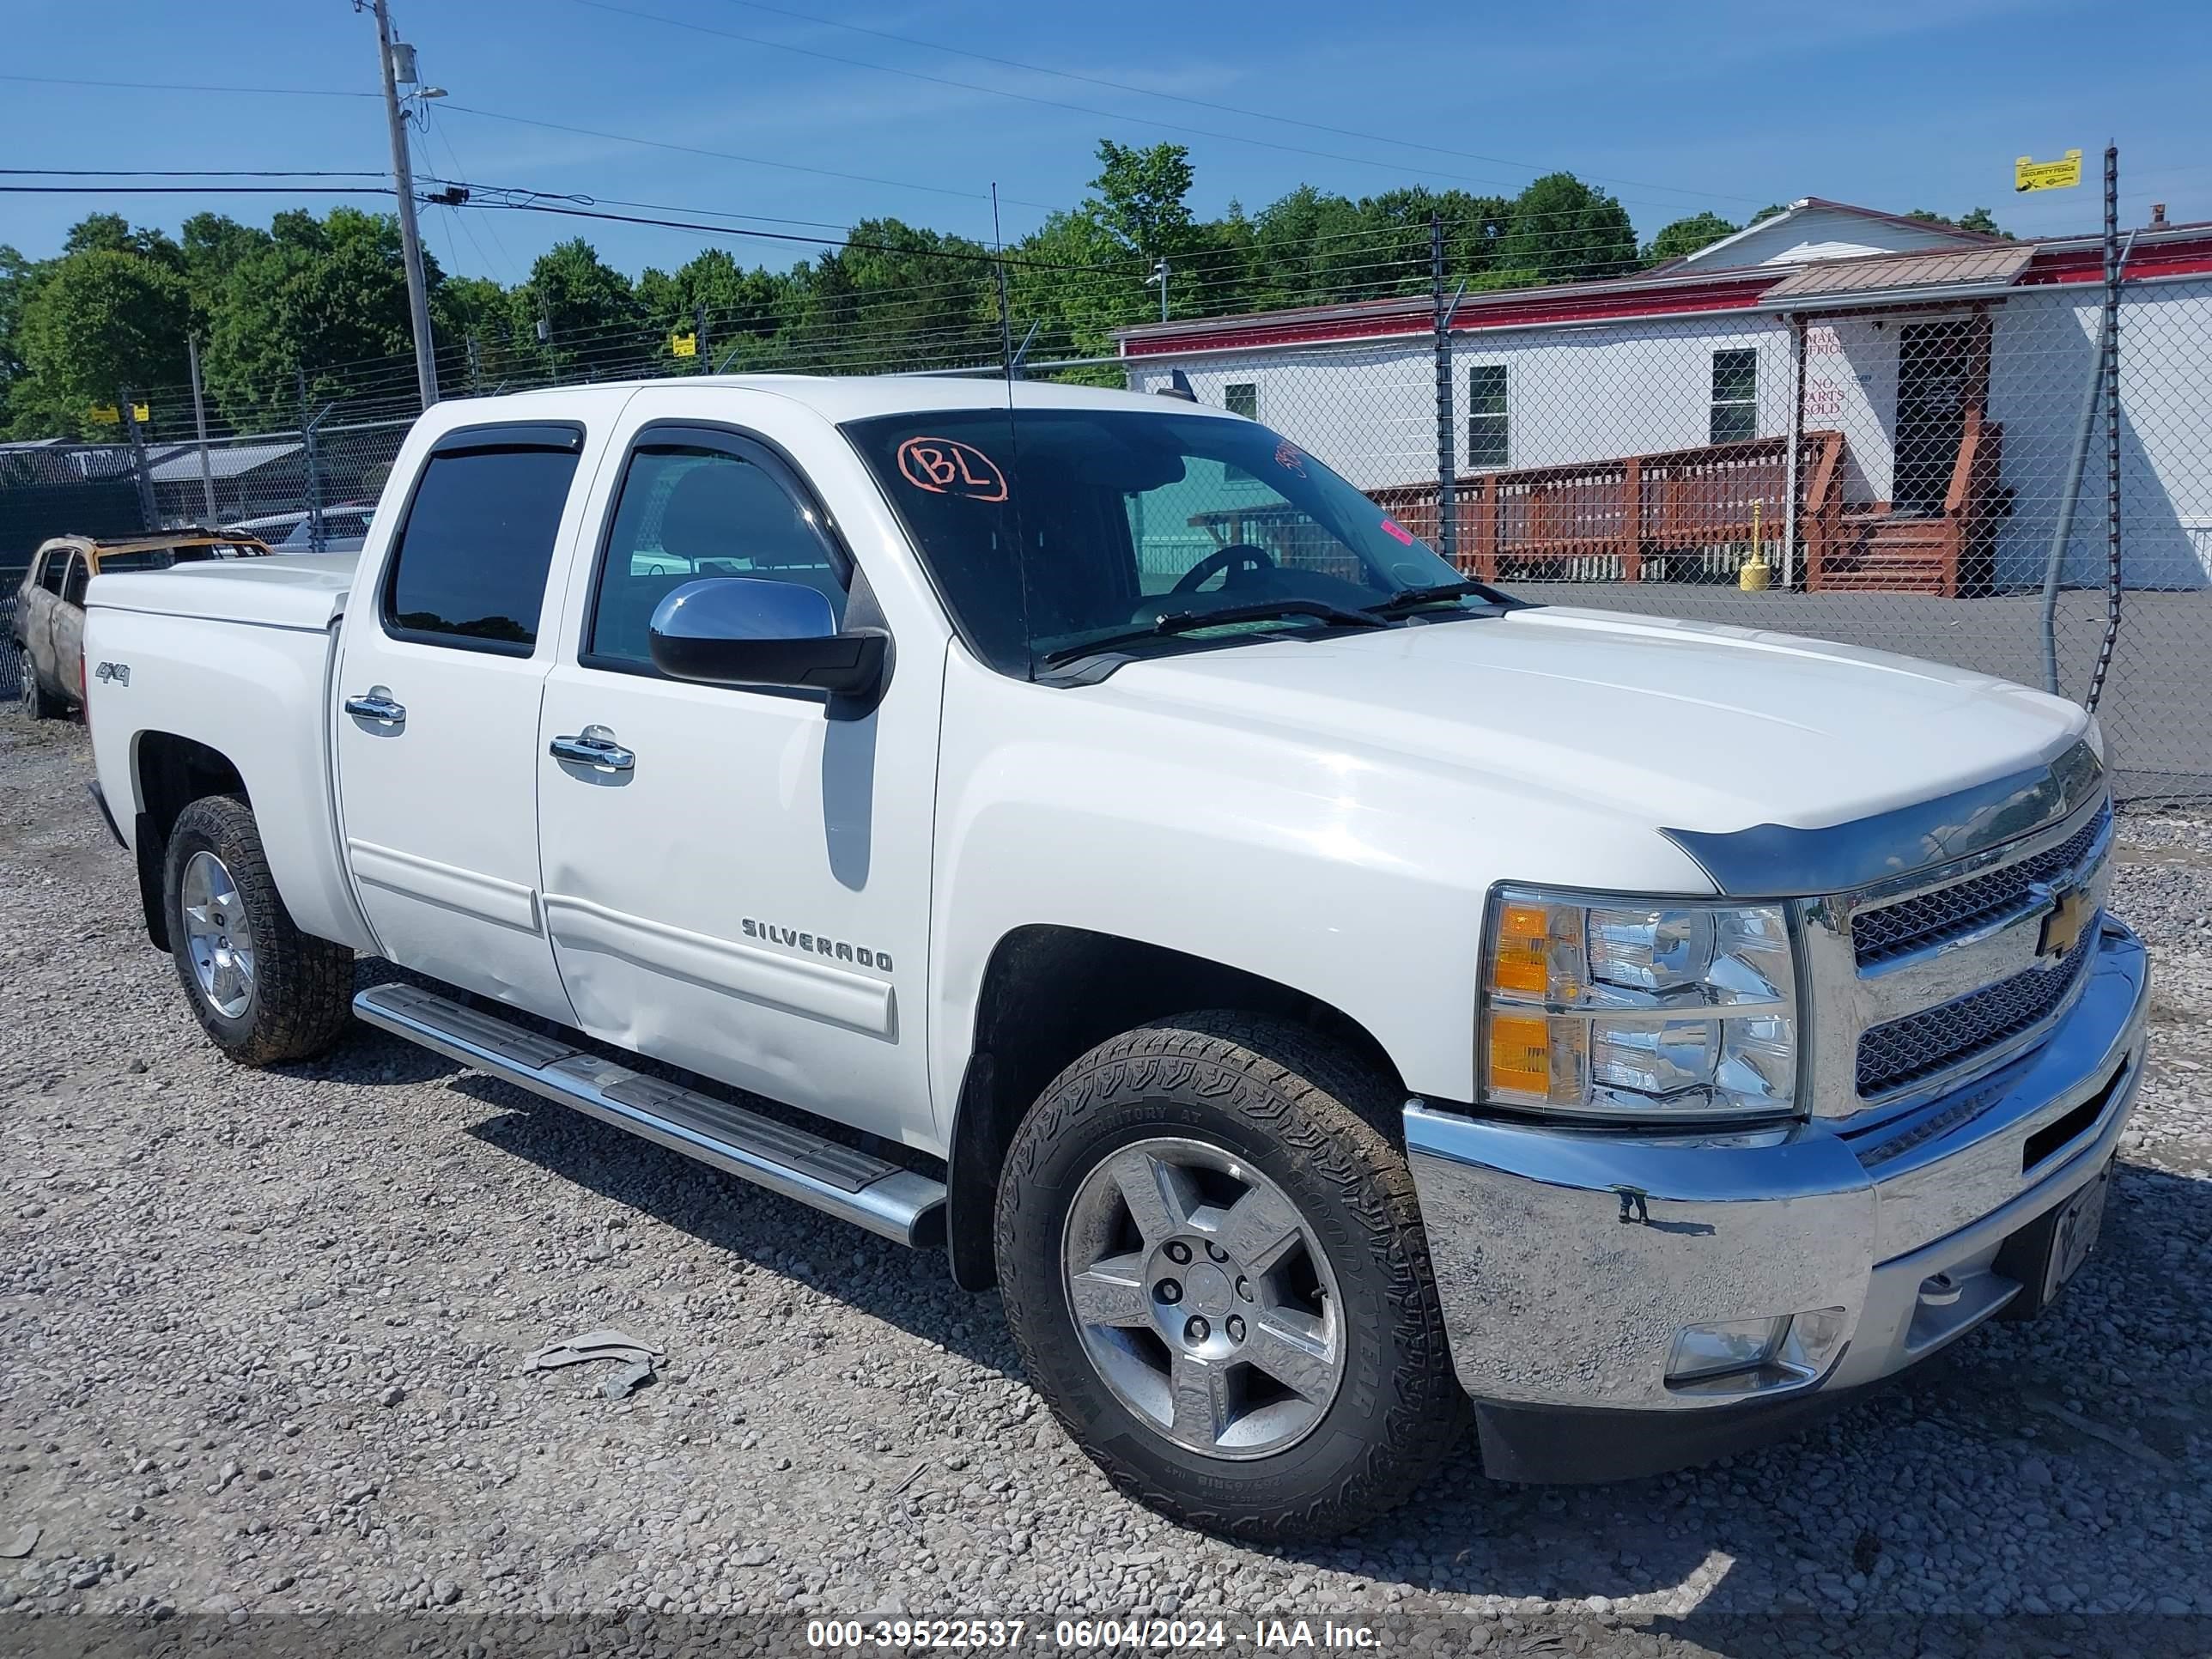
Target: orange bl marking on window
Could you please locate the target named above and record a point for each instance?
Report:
(946, 466)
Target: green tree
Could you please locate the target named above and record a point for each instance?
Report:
(1563, 229)
(110, 233)
(325, 298)
(594, 323)
(1980, 219)
(1141, 197)
(1684, 237)
(18, 277)
(100, 320)
(215, 244)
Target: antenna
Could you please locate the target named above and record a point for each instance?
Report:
(1013, 442)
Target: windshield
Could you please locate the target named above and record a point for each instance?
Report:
(1129, 517)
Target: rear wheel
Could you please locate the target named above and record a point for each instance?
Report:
(262, 990)
(39, 703)
(1212, 1261)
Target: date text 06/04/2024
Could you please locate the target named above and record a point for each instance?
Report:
(1088, 1634)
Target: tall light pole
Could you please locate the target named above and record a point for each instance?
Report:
(411, 236)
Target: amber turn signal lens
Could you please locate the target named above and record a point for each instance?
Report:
(1521, 1054)
(1522, 959)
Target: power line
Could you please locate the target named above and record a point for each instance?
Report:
(1054, 103)
(984, 255)
(179, 172)
(1208, 103)
(184, 86)
(195, 190)
(729, 155)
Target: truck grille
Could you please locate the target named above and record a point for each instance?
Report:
(1882, 935)
(1902, 1051)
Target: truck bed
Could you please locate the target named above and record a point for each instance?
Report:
(301, 591)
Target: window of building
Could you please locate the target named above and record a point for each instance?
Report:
(1240, 398)
(1489, 443)
(469, 569)
(1736, 395)
(687, 514)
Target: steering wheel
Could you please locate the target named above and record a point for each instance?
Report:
(1237, 558)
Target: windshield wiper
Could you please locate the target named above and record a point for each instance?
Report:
(1414, 598)
(1185, 621)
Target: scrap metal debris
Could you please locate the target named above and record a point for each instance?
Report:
(628, 1381)
(594, 1345)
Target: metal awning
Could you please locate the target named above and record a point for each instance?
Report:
(1891, 279)
(224, 461)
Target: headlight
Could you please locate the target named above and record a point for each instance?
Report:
(1627, 1008)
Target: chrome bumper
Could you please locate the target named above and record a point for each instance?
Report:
(1568, 1262)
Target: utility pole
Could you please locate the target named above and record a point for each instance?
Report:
(411, 237)
(147, 510)
(1160, 275)
(199, 421)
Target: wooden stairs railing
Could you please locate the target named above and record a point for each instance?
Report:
(1951, 552)
(1627, 518)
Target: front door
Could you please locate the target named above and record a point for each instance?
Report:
(436, 730)
(1934, 373)
(741, 885)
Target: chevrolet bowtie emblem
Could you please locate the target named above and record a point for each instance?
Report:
(2063, 925)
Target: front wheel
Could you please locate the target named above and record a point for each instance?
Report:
(262, 990)
(1212, 1258)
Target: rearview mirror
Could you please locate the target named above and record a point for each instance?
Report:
(743, 631)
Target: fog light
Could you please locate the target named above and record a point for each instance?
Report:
(1753, 1354)
(1739, 1344)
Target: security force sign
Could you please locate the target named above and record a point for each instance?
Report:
(2062, 174)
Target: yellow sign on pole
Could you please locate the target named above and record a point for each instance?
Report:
(108, 414)
(142, 413)
(684, 345)
(2062, 174)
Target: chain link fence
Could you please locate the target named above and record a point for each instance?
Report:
(1960, 488)
(1929, 453)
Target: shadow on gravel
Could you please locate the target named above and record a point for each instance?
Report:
(909, 1289)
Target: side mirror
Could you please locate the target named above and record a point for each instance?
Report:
(741, 630)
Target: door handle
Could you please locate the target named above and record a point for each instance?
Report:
(376, 704)
(593, 746)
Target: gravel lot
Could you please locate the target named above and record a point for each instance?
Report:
(261, 1335)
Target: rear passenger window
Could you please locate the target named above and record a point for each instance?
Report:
(471, 566)
(687, 514)
(50, 573)
(73, 585)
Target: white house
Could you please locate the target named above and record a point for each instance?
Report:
(1934, 377)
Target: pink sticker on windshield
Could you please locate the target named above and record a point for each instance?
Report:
(1397, 532)
(1287, 455)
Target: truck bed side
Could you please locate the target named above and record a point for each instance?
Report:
(227, 664)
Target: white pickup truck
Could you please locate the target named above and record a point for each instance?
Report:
(1333, 1001)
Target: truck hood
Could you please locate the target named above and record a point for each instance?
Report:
(1680, 725)
(303, 590)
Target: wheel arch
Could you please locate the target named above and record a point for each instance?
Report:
(1050, 993)
(168, 772)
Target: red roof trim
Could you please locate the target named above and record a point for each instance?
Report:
(1612, 301)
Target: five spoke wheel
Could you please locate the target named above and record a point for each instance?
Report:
(216, 936)
(1203, 1298)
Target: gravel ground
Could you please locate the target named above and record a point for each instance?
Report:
(261, 1339)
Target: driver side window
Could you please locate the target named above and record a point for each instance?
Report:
(687, 514)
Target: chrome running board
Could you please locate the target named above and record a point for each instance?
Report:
(855, 1186)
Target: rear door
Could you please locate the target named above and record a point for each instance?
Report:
(34, 610)
(443, 666)
(65, 652)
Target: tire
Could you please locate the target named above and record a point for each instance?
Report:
(38, 702)
(1270, 1439)
(285, 995)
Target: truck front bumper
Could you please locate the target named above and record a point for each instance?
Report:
(1570, 1262)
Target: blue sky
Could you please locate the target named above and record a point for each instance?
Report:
(1676, 108)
